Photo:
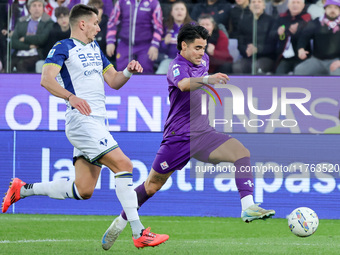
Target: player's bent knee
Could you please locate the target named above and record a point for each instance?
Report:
(86, 195)
(125, 165)
(241, 153)
(246, 152)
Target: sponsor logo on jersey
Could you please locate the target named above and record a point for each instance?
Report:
(164, 165)
(176, 72)
(89, 72)
(175, 66)
(51, 53)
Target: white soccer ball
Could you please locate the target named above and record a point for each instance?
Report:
(303, 221)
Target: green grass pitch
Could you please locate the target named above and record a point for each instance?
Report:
(65, 234)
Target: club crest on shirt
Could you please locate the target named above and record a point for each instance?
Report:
(50, 53)
(176, 72)
(204, 63)
(164, 165)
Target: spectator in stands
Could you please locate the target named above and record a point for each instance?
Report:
(146, 33)
(325, 33)
(219, 9)
(166, 6)
(287, 30)
(60, 30)
(29, 37)
(179, 16)
(316, 10)
(217, 48)
(103, 19)
(18, 10)
(275, 8)
(52, 5)
(107, 5)
(265, 48)
(238, 12)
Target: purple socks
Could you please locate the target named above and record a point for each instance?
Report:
(244, 177)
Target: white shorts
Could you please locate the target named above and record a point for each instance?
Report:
(89, 136)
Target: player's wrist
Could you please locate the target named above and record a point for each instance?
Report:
(68, 98)
(126, 73)
(206, 79)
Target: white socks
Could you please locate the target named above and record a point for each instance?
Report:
(58, 189)
(126, 195)
(128, 199)
(121, 223)
(247, 201)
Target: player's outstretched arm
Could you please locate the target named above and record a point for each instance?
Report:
(49, 72)
(194, 83)
(116, 80)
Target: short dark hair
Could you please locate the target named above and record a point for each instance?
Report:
(62, 10)
(80, 10)
(189, 32)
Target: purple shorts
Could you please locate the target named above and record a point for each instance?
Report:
(175, 152)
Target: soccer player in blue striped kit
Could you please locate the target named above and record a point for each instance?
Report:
(187, 132)
(81, 68)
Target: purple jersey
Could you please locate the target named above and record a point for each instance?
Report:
(171, 48)
(185, 116)
(146, 22)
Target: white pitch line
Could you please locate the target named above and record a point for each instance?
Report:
(41, 241)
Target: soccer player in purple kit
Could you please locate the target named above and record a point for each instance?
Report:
(188, 134)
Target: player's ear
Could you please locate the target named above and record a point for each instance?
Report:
(81, 24)
(184, 45)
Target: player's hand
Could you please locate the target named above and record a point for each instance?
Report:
(218, 78)
(335, 65)
(303, 53)
(153, 53)
(110, 49)
(80, 104)
(134, 67)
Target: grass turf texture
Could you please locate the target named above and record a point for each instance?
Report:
(65, 234)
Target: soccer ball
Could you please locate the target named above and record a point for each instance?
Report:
(303, 221)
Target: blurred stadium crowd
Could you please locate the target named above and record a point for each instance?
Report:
(283, 37)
